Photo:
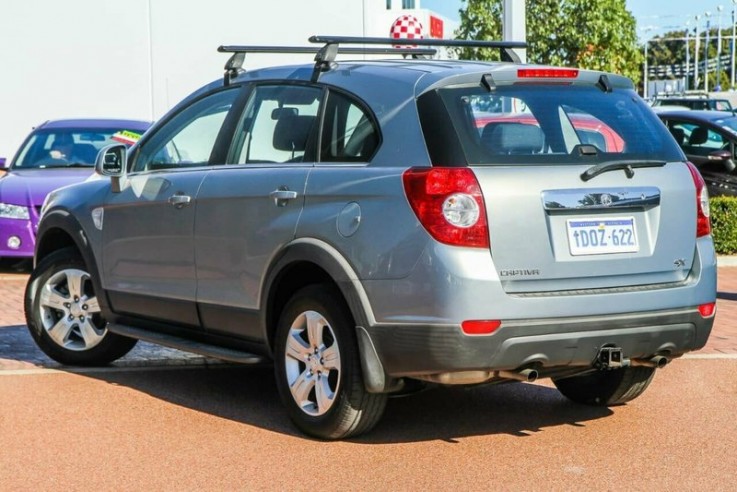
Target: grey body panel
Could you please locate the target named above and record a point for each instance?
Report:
(239, 228)
(362, 212)
(527, 238)
(147, 245)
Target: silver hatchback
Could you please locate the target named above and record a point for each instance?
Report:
(375, 225)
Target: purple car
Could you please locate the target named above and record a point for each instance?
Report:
(55, 154)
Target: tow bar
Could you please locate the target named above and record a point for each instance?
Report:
(609, 358)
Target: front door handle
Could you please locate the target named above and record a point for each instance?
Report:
(180, 200)
(282, 196)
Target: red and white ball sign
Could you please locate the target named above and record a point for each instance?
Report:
(406, 27)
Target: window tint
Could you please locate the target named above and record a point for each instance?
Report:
(349, 133)
(188, 139)
(545, 124)
(278, 125)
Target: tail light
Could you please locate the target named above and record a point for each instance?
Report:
(449, 204)
(708, 310)
(703, 226)
(480, 327)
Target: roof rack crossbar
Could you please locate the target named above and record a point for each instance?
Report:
(470, 43)
(323, 56)
(505, 47)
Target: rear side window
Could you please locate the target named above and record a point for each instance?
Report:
(349, 133)
(278, 125)
(538, 124)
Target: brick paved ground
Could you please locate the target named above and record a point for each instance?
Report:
(15, 340)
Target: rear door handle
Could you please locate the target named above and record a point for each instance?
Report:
(180, 200)
(282, 196)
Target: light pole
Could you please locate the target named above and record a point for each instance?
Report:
(644, 74)
(731, 73)
(707, 14)
(718, 83)
(696, 55)
(688, 54)
(644, 66)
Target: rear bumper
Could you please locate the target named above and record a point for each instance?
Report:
(410, 350)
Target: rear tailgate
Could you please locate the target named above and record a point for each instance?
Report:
(550, 231)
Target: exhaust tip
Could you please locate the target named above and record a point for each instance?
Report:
(525, 375)
(658, 362)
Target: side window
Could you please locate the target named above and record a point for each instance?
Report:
(188, 139)
(700, 140)
(349, 133)
(278, 125)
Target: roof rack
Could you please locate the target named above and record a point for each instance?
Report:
(234, 65)
(505, 47)
(325, 56)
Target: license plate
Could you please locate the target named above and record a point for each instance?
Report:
(602, 236)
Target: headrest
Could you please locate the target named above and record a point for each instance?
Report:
(514, 138)
(699, 135)
(292, 131)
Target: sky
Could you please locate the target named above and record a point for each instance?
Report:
(653, 16)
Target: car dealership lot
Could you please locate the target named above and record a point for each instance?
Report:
(156, 424)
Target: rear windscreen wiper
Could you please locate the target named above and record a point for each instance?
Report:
(628, 166)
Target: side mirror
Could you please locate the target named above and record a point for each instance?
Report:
(111, 161)
(725, 157)
(719, 155)
(3, 166)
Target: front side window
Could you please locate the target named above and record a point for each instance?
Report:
(188, 139)
(537, 124)
(279, 125)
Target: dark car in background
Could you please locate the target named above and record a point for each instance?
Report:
(709, 140)
(55, 154)
(694, 101)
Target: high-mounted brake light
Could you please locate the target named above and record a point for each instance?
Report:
(703, 225)
(547, 73)
(449, 204)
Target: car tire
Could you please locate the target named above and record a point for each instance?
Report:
(318, 370)
(606, 388)
(63, 314)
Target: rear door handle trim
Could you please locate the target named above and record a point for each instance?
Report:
(180, 200)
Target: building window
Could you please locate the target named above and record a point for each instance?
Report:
(408, 4)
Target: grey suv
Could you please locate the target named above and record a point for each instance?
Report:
(374, 225)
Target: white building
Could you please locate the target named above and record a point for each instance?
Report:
(136, 59)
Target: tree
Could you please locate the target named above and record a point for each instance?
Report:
(591, 34)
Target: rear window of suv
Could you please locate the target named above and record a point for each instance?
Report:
(539, 124)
